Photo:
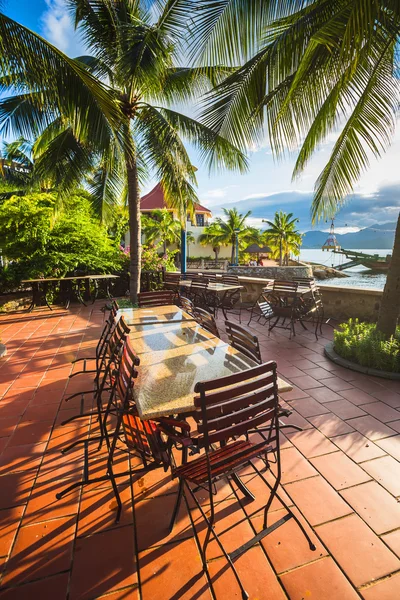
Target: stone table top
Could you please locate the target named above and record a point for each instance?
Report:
(173, 358)
(154, 314)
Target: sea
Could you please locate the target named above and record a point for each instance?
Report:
(358, 276)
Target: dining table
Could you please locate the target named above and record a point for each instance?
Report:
(175, 353)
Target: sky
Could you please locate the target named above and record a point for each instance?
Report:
(268, 185)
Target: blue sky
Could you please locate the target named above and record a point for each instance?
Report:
(267, 186)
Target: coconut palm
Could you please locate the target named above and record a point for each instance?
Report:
(108, 112)
(161, 226)
(224, 232)
(310, 67)
(212, 237)
(282, 235)
(190, 239)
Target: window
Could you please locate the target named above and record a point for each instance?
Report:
(200, 220)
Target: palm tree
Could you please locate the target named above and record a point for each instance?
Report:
(225, 232)
(162, 226)
(190, 239)
(283, 235)
(310, 67)
(212, 237)
(107, 112)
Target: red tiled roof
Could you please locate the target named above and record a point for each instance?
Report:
(155, 200)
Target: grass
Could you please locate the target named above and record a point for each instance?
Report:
(361, 343)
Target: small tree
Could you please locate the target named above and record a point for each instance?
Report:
(161, 227)
(283, 235)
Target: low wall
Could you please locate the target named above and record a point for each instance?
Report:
(272, 272)
(340, 302)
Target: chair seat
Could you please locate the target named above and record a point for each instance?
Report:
(223, 460)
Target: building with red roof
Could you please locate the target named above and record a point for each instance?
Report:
(155, 200)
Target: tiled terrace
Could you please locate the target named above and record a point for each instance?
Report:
(342, 473)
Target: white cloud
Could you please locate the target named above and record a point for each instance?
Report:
(59, 30)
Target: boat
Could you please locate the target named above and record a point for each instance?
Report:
(375, 262)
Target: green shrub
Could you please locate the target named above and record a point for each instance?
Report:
(361, 343)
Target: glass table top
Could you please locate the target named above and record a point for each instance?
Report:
(154, 314)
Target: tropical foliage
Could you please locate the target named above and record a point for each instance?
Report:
(223, 232)
(161, 228)
(38, 241)
(309, 68)
(107, 113)
(363, 344)
(283, 236)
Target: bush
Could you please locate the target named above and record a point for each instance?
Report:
(361, 343)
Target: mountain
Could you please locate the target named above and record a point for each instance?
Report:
(375, 237)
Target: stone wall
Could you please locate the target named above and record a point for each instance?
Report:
(340, 302)
(284, 273)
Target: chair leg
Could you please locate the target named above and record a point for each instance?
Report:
(242, 487)
(177, 505)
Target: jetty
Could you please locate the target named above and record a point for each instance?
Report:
(374, 262)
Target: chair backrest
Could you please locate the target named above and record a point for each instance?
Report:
(243, 340)
(171, 280)
(117, 340)
(187, 305)
(285, 287)
(304, 281)
(230, 280)
(159, 298)
(265, 307)
(211, 277)
(206, 320)
(231, 406)
(106, 332)
(141, 436)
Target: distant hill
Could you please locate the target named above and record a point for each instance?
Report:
(374, 237)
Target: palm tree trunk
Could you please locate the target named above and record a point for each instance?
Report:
(390, 305)
(134, 228)
(280, 251)
(233, 253)
(216, 250)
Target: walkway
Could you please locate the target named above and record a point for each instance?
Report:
(342, 473)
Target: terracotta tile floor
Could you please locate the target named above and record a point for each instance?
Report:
(341, 474)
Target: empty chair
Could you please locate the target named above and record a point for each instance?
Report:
(158, 298)
(206, 320)
(230, 279)
(198, 292)
(243, 340)
(187, 305)
(261, 309)
(227, 411)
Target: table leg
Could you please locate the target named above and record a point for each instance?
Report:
(35, 297)
(96, 290)
(108, 293)
(78, 293)
(45, 288)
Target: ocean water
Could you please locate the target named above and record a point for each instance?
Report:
(359, 276)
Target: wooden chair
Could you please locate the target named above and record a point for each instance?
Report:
(198, 292)
(206, 320)
(311, 305)
(227, 411)
(243, 340)
(230, 279)
(285, 304)
(104, 381)
(187, 306)
(158, 298)
(261, 309)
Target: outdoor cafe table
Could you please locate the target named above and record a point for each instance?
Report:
(174, 356)
(40, 288)
(217, 288)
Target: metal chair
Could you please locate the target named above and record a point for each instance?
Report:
(244, 341)
(206, 320)
(230, 279)
(198, 292)
(285, 304)
(187, 306)
(261, 309)
(159, 298)
(230, 408)
(311, 305)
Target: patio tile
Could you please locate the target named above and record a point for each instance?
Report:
(21, 458)
(41, 550)
(358, 447)
(311, 443)
(391, 445)
(317, 500)
(43, 504)
(385, 590)
(395, 425)
(301, 363)
(330, 425)
(51, 588)
(388, 397)
(357, 396)
(263, 587)
(308, 407)
(153, 518)
(337, 384)
(371, 427)
(8, 426)
(105, 562)
(381, 411)
(3, 444)
(359, 552)
(295, 466)
(324, 395)
(31, 433)
(295, 394)
(15, 489)
(295, 419)
(339, 470)
(322, 580)
(386, 471)
(305, 382)
(345, 409)
(318, 373)
(393, 541)
(9, 522)
(286, 547)
(375, 505)
(173, 571)
(98, 510)
(289, 371)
